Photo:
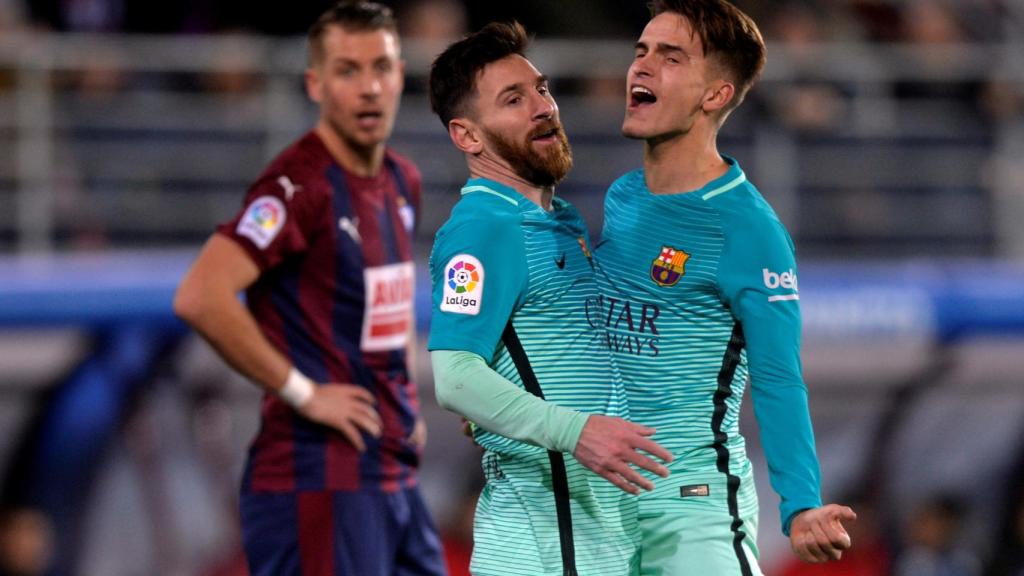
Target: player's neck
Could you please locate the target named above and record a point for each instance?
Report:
(682, 164)
(363, 162)
(483, 166)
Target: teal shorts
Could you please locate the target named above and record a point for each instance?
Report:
(698, 533)
(516, 529)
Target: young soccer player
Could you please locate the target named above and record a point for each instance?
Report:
(700, 289)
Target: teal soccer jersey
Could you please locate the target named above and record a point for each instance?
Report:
(699, 290)
(503, 265)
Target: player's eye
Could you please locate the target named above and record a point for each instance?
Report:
(384, 66)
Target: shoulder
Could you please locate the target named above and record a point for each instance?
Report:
(485, 214)
(298, 171)
(407, 167)
(482, 220)
(744, 212)
(627, 183)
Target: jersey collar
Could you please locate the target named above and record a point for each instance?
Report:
(488, 186)
(508, 194)
(732, 178)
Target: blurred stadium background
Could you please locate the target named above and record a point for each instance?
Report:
(888, 134)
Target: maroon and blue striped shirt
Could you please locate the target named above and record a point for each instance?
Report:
(335, 295)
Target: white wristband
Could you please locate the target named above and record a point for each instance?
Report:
(297, 389)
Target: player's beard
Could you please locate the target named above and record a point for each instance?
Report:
(544, 168)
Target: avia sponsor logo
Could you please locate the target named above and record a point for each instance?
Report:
(785, 280)
(387, 314)
(392, 291)
(627, 327)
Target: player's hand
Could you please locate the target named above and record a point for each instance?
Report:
(418, 438)
(817, 535)
(346, 408)
(609, 445)
(467, 431)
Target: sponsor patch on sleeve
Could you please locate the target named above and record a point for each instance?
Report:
(262, 221)
(463, 285)
(785, 281)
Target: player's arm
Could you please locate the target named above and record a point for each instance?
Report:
(418, 437)
(469, 318)
(465, 384)
(759, 280)
(207, 299)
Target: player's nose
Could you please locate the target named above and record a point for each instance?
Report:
(544, 109)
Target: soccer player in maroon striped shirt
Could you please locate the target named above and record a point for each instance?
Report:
(322, 248)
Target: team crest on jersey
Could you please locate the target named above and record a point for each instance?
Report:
(669, 266)
(463, 285)
(583, 246)
(262, 220)
(407, 214)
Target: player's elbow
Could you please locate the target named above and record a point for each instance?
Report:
(446, 379)
(443, 392)
(189, 303)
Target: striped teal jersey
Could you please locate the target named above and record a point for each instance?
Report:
(502, 259)
(700, 289)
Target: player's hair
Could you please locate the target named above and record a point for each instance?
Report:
(352, 16)
(454, 73)
(727, 35)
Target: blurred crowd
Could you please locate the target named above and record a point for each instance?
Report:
(940, 92)
(927, 543)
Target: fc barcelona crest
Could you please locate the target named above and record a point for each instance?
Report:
(669, 267)
(583, 247)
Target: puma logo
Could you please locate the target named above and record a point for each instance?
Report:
(350, 227)
(289, 187)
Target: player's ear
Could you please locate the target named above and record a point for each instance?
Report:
(718, 96)
(465, 135)
(314, 85)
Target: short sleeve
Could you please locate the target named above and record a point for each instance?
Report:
(478, 273)
(278, 219)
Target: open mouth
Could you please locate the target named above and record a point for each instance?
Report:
(545, 136)
(640, 96)
(369, 118)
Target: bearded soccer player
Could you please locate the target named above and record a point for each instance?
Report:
(512, 348)
(700, 289)
(322, 248)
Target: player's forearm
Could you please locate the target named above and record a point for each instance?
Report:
(772, 333)
(229, 327)
(465, 384)
(783, 416)
(788, 441)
